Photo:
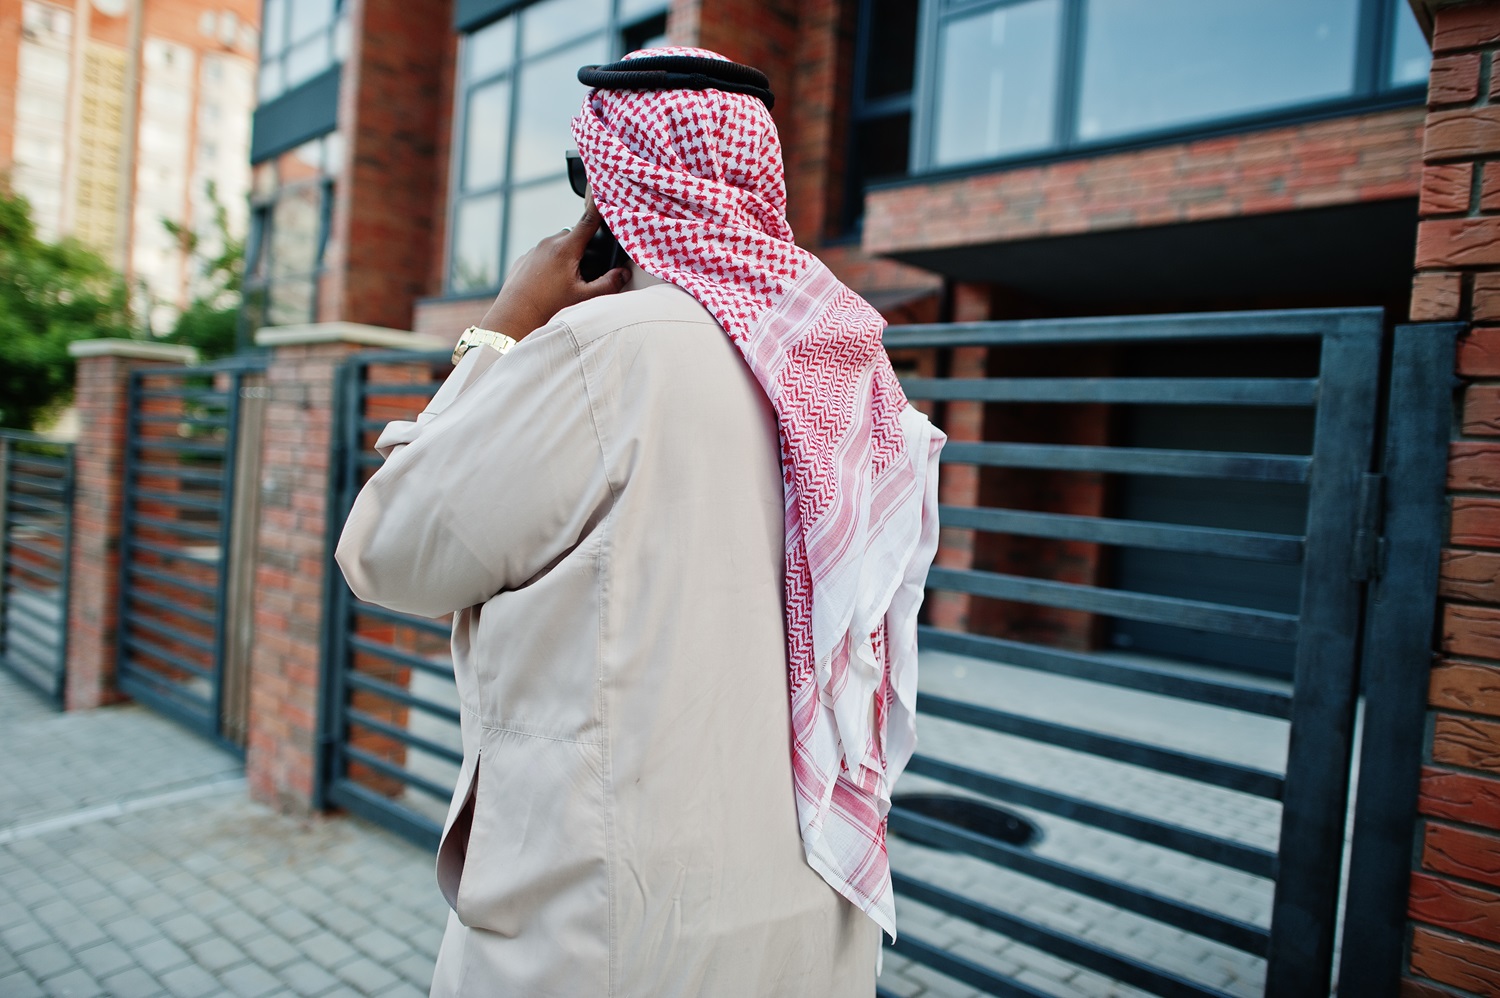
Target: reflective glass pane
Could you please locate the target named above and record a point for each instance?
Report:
(997, 82)
(341, 38)
(484, 135)
(892, 51)
(630, 10)
(490, 49)
(291, 301)
(553, 22)
(295, 223)
(1411, 57)
(476, 243)
(271, 81)
(550, 96)
(1151, 64)
(274, 27)
(310, 17)
(537, 211)
(306, 60)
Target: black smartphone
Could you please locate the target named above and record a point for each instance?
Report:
(603, 253)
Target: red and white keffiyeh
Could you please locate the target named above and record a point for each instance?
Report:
(691, 184)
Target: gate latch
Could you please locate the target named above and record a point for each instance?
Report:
(1367, 560)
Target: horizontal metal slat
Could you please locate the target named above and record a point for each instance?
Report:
(33, 570)
(390, 769)
(211, 421)
(1059, 944)
(50, 486)
(155, 575)
(1193, 614)
(444, 671)
(177, 553)
(172, 659)
(53, 506)
(40, 462)
(177, 527)
(52, 526)
(428, 390)
(1232, 776)
(168, 631)
(42, 633)
(367, 804)
(991, 982)
(1278, 323)
(217, 450)
(1288, 468)
(393, 692)
(1098, 669)
(1190, 918)
(51, 595)
(1245, 544)
(1146, 391)
(200, 395)
(52, 556)
(144, 470)
(1252, 860)
(180, 499)
(170, 606)
(359, 717)
(427, 625)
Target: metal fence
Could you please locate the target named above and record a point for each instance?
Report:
(36, 503)
(390, 708)
(178, 514)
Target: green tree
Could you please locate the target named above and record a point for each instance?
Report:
(50, 295)
(208, 323)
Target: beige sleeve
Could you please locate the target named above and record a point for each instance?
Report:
(501, 476)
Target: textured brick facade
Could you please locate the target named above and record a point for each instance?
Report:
(99, 470)
(1366, 157)
(1455, 889)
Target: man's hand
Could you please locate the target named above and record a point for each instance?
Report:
(546, 280)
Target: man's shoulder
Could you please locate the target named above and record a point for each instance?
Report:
(607, 314)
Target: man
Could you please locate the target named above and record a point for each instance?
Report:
(685, 568)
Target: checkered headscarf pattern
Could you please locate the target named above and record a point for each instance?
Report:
(691, 184)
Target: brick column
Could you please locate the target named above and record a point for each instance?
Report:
(281, 749)
(1454, 905)
(102, 382)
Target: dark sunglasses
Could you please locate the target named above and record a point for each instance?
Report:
(578, 178)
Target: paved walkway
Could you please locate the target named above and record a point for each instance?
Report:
(132, 863)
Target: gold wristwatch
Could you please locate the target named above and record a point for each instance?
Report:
(474, 336)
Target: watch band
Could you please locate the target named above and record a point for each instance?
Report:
(474, 336)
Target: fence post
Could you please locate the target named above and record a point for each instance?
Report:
(281, 750)
(104, 368)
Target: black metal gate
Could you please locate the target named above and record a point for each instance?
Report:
(178, 514)
(389, 719)
(1158, 784)
(36, 531)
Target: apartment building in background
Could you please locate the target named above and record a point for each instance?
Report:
(117, 114)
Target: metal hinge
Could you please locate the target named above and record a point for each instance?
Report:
(1367, 561)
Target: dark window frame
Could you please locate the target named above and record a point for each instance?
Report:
(621, 32)
(1375, 35)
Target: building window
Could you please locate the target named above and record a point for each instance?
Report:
(517, 92)
(300, 39)
(1021, 78)
(880, 112)
(291, 203)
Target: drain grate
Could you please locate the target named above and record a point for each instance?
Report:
(963, 812)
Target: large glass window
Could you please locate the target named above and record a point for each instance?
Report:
(291, 201)
(1010, 78)
(880, 114)
(518, 90)
(299, 39)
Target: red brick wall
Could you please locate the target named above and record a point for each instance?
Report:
(281, 749)
(1455, 888)
(1369, 157)
(388, 199)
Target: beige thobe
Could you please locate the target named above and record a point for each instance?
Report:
(602, 507)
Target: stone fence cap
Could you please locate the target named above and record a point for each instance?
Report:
(134, 349)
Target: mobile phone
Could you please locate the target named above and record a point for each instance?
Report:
(601, 255)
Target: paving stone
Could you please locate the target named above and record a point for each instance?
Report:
(130, 930)
(104, 958)
(46, 960)
(74, 983)
(291, 924)
(216, 954)
(380, 945)
(19, 984)
(186, 928)
(326, 949)
(271, 951)
(250, 981)
(307, 978)
(27, 935)
(132, 983)
(159, 955)
(191, 982)
(365, 974)
(415, 967)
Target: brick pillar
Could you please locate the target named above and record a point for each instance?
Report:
(1454, 904)
(102, 382)
(281, 749)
